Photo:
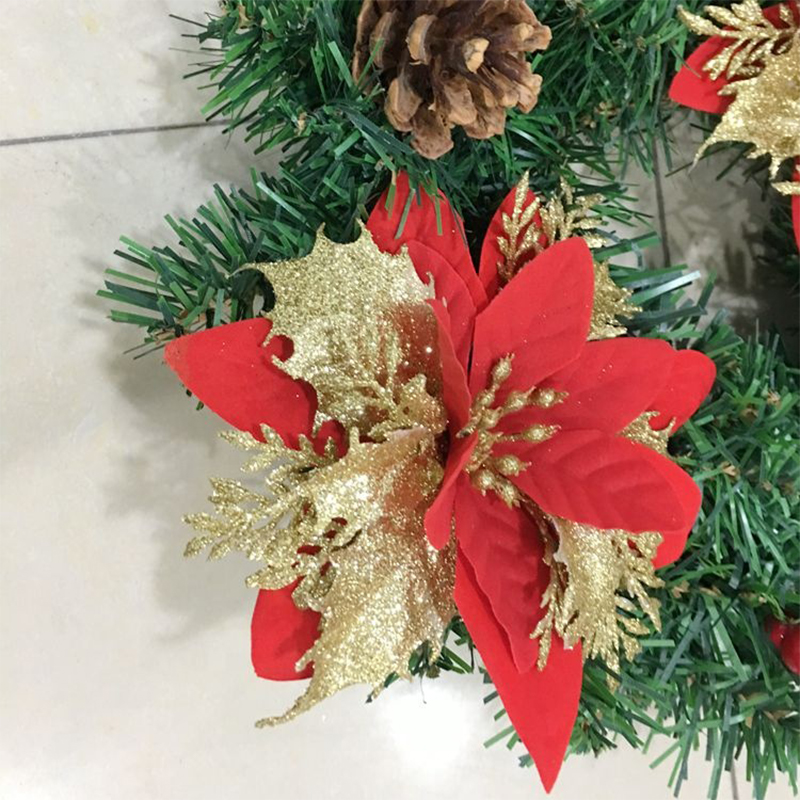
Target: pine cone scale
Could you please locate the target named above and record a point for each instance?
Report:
(447, 63)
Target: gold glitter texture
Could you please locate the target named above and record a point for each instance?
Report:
(640, 431)
(763, 65)
(352, 529)
(562, 217)
(351, 526)
(360, 327)
(598, 590)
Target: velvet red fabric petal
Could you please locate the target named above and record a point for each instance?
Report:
(608, 386)
(608, 481)
(542, 705)
(456, 397)
(687, 385)
(451, 291)
(693, 87)
(280, 633)
(230, 370)
(490, 251)
(455, 393)
(439, 517)
(505, 549)
(674, 540)
(542, 316)
(421, 224)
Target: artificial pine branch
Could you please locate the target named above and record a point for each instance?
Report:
(280, 72)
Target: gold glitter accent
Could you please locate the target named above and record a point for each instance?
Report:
(562, 217)
(763, 64)
(588, 572)
(489, 472)
(588, 567)
(754, 37)
(610, 302)
(787, 187)
(360, 327)
(640, 431)
(350, 527)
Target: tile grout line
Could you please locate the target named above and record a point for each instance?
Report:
(66, 137)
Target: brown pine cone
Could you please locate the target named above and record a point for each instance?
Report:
(450, 62)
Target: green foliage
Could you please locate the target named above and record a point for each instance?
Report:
(278, 70)
(195, 282)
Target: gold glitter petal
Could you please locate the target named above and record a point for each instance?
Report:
(590, 571)
(371, 627)
(762, 63)
(356, 317)
(765, 112)
(352, 528)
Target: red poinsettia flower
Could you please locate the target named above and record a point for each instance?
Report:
(585, 471)
(693, 87)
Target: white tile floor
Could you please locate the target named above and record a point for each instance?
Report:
(125, 670)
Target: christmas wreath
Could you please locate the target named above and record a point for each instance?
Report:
(494, 468)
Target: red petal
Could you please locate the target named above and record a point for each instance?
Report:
(451, 291)
(542, 317)
(541, 705)
(693, 87)
(610, 384)
(504, 547)
(688, 383)
(790, 649)
(610, 482)
(421, 224)
(455, 392)
(281, 634)
(439, 517)
(490, 252)
(229, 370)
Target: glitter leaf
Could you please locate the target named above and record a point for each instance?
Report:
(355, 363)
(754, 58)
(598, 578)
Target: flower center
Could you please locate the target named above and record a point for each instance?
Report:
(487, 469)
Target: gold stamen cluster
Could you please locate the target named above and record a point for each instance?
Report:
(490, 472)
